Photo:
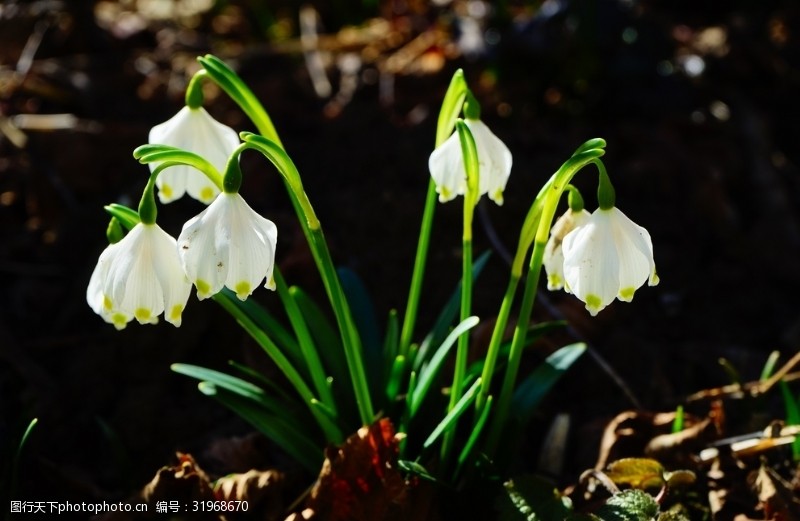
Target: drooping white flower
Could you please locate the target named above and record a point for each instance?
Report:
(228, 244)
(139, 277)
(446, 164)
(553, 255)
(194, 130)
(608, 257)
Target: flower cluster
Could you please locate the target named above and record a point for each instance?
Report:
(599, 257)
(228, 244)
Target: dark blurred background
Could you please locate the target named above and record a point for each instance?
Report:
(698, 102)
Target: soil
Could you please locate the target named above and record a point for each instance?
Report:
(698, 103)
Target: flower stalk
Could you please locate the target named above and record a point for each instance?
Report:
(451, 106)
(550, 196)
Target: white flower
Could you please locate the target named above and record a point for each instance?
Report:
(194, 130)
(446, 164)
(228, 244)
(139, 277)
(609, 256)
(553, 254)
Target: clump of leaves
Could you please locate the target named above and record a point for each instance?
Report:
(530, 498)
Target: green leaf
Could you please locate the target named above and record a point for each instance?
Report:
(395, 378)
(446, 316)
(769, 366)
(629, 505)
(274, 426)
(235, 385)
(531, 498)
(536, 386)
(428, 373)
(792, 415)
(264, 321)
(325, 336)
(449, 421)
(533, 334)
(415, 469)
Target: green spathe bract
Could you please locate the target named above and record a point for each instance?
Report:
(342, 371)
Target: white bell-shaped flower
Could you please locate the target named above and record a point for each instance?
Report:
(139, 277)
(553, 254)
(608, 257)
(446, 164)
(193, 130)
(228, 244)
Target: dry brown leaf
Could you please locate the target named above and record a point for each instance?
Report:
(263, 490)
(180, 484)
(359, 480)
(775, 496)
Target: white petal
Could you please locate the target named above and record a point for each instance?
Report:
(228, 244)
(252, 256)
(591, 263)
(170, 275)
(203, 248)
(553, 255)
(446, 165)
(635, 251)
(196, 131)
(494, 158)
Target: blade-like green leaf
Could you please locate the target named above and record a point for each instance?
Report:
(536, 386)
(769, 366)
(266, 322)
(449, 421)
(325, 336)
(534, 333)
(429, 372)
(235, 385)
(447, 315)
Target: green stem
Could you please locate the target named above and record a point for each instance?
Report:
(410, 317)
(551, 197)
(319, 249)
(240, 93)
(332, 432)
(526, 237)
(156, 153)
(194, 91)
(470, 153)
(451, 107)
(306, 343)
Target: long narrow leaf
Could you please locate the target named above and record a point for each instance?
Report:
(429, 372)
(536, 386)
(450, 420)
(308, 348)
(447, 316)
(325, 336)
(264, 321)
(534, 333)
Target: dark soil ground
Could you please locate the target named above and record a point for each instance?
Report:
(698, 103)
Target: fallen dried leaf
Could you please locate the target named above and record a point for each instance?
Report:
(359, 481)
